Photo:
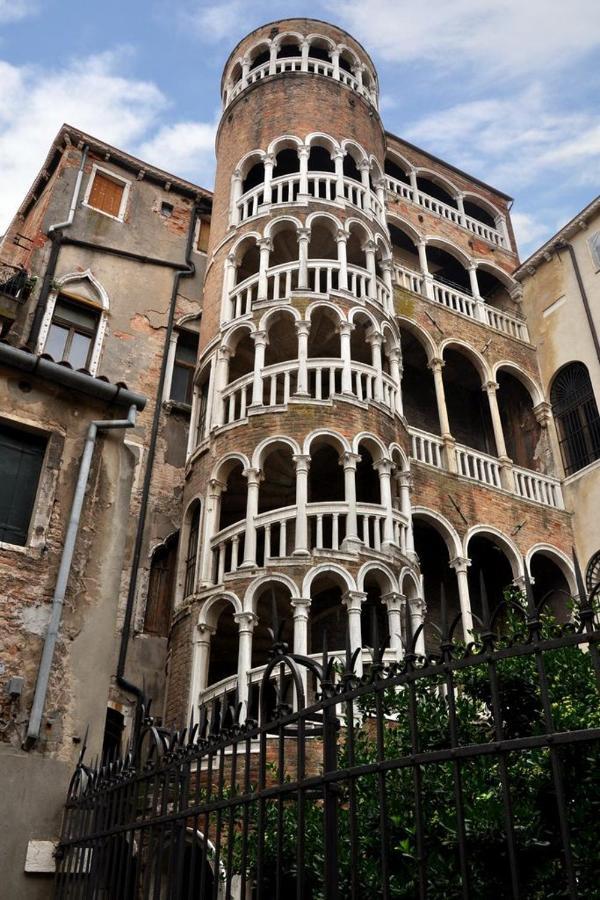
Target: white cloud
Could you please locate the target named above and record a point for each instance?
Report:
(214, 23)
(15, 10)
(94, 95)
(530, 231)
(508, 36)
(186, 148)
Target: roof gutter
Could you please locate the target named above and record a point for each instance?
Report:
(69, 378)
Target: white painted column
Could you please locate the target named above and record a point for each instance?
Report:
(387, 268)
(412, 177)
(395, 603)
(303, 236)
(236, 192)
(303, 154)
(229, 279)
(245, 622)
(404, 482)
(357, 71)
(302, 330)
(418, 609)
(460, 202)
(380, 191)
(261, 342)
(352, 541)
(265, 246)
(268, 162)
(200, 662)
(375, 340)
(222, 380)
(346, 329)
(436, 366)
(338, 159)
(304, 50)
(273, 49)
(254, 477)
(335, 62)
(427, 276)
(460, 565)
(479, 302)
(507, 477)
(353, 601)
(341, 238)
(210, 526)
(369, 249)
(210, 399)
(245, 70)
(384, 468)
(364, 167)
(301, 607)
(396, 373)
(302, 462)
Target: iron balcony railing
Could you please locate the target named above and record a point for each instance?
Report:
(14, 282)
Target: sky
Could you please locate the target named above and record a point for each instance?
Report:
(506, 90)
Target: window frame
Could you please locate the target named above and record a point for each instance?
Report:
(173, 362)
(113, 177)
(191, 549)
(200, 222)
(72, 329)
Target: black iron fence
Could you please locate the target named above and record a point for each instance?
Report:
(472, 771)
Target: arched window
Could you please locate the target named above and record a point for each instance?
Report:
(160, 588)
(192, 552)
(576, 413)
(72, 332)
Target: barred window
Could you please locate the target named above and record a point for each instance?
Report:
(576, 413)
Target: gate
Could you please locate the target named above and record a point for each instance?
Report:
(472, 771)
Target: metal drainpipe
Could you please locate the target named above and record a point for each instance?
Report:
(62, 579)
(141, 522)
(55, 235)
(564, 245)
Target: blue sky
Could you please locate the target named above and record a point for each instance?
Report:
(507, 90)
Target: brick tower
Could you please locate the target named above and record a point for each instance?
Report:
(367, 420)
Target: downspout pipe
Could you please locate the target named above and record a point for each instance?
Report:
(55, 234)
(64, 571)
(185, 272)
(564, 245)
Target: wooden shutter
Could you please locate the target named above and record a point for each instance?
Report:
(203, 235)
(106, 194)
(160, 590)
(21, 458)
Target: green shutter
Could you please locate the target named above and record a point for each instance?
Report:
(21, 459)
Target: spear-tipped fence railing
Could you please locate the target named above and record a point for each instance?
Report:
(471, 771)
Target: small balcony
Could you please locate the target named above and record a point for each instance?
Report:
(15, 283)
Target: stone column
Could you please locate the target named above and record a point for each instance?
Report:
(352, 541)
(544, 417)
(335, 62)
(268, 162)
(302, 462)
(412, 177)
(405, 484)
(396, 373)
(222, 379)
(384, 468)
(375, 340)
(254, 477)
(245, 70)
(200, 661)
(338, 159)
(460, 565)
(265, 246)
(303, 154)
(369, 249)
(387, 268)
(261, 342)
(480, 304)
(245, 622)
(436, 365)
(418, 610)
(341, 238)
(506, 472)
(353, 601)
(229, 278)
(346, 329)
(304, 50)
(236, 193)
(301, 607)
(302, 330)
(380, 191)
(273, 49)
(395, 604)
(303, 235)
(460, 202)
(210, 526)
(427, 276)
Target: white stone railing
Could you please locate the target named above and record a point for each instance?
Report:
(280, 382)
(460, 302)
(323, 277)
(295, 64)
(537, 487)
(478, 466)
(220, 689)
(321, 186)
(445, 211)
(427, 448)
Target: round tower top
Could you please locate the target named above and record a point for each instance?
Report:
(299, 45)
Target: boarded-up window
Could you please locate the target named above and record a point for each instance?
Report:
(203, 235)
(182, 381)
(106, 194)
(21, 459)
(160, 588)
